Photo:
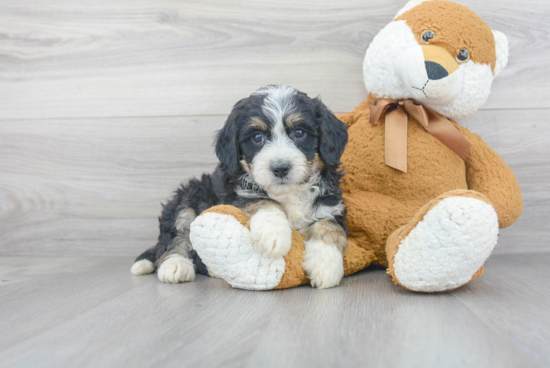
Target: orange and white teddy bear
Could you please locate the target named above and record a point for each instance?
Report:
(425, 197)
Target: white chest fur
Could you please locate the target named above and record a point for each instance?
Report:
(300, 206)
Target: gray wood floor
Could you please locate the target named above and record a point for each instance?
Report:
(106, 106)
(91, 312)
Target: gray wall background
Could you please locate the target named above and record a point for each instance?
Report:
(106, 106)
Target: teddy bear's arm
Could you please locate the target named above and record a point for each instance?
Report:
(487, 173)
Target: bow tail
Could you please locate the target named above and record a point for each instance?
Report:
(396, 139)
(448, 134)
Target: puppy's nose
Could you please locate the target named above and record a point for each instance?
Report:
(280, 170)
(435, 71)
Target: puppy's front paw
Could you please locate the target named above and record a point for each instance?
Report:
(175, 269)
(271, 232)
(323, 263)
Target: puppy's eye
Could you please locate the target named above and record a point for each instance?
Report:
(258, 138)
(427, 35)
(463, 56)
(299, 133)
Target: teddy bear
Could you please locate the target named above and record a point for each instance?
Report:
(425, 197)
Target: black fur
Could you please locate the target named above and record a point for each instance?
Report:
(326, 135)
(333, 135)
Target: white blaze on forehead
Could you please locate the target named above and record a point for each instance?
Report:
(278, 103)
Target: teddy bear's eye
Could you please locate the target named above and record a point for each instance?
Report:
(427, 35)
(463, 56)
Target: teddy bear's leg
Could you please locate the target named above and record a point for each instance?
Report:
(371, 218)
(446, 243)
(221, 238)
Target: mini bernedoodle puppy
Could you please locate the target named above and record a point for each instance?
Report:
(279, 153)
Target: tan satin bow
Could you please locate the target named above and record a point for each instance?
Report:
(396, 129)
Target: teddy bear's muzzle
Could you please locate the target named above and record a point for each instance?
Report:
(430, 74)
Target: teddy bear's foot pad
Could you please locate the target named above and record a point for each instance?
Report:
(450, 244)
(225, 246)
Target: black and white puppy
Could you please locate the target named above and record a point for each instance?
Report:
(279, 153)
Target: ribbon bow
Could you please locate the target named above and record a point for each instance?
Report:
(396, 129)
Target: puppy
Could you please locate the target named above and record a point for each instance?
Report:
(279, 153)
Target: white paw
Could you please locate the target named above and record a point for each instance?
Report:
(323, 263)
(142, 267)
(448, 246)
(176, 269)
(271, 232)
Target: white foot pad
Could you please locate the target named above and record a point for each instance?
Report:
(225, 247)
(142, 267)
(175, 269)
(448, 246)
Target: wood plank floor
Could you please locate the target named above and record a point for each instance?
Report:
(91, 312)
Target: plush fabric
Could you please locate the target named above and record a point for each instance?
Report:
(434, 226)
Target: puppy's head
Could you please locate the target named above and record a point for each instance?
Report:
(278, 138)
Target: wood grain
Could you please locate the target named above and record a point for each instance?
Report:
(521, 138)
(95, 313)
(64, 58)
(78, 187)
(105, 107)
(97, 182)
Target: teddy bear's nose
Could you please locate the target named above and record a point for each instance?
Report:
(435, 71)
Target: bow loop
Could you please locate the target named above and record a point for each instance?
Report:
(378, 107)
(418, 112)
(396, 129)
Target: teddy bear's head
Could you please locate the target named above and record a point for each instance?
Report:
(439, 53)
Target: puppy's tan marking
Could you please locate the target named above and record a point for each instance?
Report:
(258, 123)
(317, 163)
(329, 232)
(292, 119)
(245, 165)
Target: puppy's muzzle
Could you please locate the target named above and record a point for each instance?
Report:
(280, 170)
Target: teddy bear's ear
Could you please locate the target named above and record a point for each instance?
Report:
(501, 48)
(408, 6)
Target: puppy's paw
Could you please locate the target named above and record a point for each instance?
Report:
(323, 263)
(142, 267)
(175, 269)
(271, 232)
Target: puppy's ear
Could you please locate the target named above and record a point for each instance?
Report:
(333, 134)
(227, 144)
